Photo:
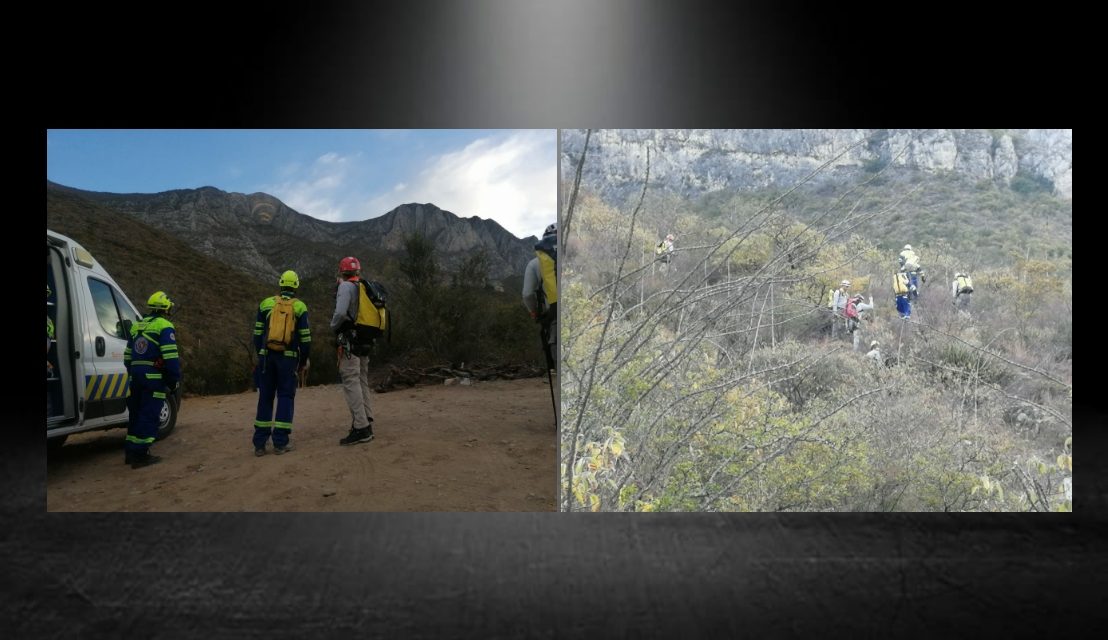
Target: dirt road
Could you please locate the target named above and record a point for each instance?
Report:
(486, 447)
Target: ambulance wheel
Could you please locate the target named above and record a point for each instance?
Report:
(168, 418)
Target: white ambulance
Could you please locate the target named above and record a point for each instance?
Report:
(86, 382)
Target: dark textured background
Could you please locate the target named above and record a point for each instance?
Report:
(540, 64)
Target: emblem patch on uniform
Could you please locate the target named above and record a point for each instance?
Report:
(141, 345)
(173, 336)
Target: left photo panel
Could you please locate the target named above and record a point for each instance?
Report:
(301, 320)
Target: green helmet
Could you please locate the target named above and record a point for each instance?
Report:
(289, 280)
(159, 301)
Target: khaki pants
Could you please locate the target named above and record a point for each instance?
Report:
(355, 388)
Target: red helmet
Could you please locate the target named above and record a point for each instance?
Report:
(349, 264)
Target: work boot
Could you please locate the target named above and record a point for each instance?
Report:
(144, 460)
(259, 452)
(284, 449)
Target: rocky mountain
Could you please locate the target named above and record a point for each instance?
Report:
(260, 235)
(695, 162)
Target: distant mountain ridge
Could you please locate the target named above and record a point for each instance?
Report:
(259, 234)
(693, 162)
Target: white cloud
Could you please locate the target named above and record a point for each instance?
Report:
(512, 180)
(317, 191)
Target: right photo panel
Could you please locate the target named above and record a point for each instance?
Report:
(816, 320)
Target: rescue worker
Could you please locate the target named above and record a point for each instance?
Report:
(962, 289)
(535, 298)
(663, 253)
(664, 249)
(540, 297)
(154, 369)
(353, 359)
(874, 352)
(908, 259)
(280, 359)
(837, 304)
(909, 264)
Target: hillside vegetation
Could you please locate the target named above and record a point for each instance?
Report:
(714, 383)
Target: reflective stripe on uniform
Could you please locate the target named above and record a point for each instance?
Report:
(258, 424)
(138, 440)
(282, 425)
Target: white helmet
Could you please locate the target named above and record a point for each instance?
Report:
(907, 247)
(873, 344)
(844, 283)
(552, 229)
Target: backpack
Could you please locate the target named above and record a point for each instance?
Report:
(373, 313)
(547, 253)
(282, 324)
(662, 252)
(851, 309)
(965, 284)
(900, 284)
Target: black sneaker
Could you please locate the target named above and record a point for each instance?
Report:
(284, 449)
(259, 452)
(357, 436)
(137, 462)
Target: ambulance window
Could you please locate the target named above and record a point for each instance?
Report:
(106, 310)
(126, 311)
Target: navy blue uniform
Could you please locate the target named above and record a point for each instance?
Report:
(153, 367)
(276, 373)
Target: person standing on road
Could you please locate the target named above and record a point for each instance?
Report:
(283, 342)
(353, 353)
(154, 369)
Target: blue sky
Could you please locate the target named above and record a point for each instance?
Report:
(337, 175)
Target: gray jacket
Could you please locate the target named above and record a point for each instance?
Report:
(532, 284)
(346, 304)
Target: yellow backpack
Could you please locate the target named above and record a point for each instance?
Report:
(547, 253)
(373, 314)
(900, 284)
(282, 323)
(965, 284)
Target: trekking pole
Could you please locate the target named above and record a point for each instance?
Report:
(544, 335)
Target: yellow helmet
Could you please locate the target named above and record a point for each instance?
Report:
(159, 301)
(289, 280)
